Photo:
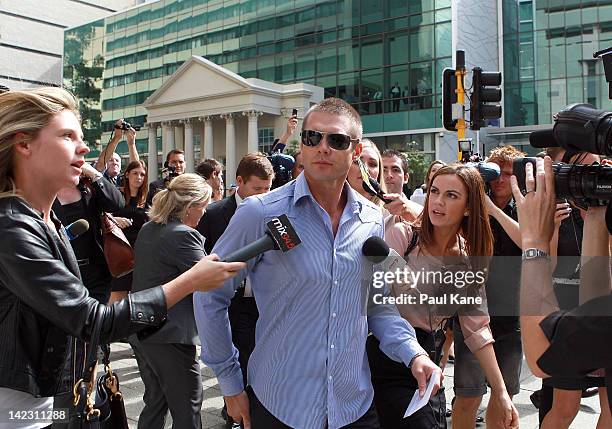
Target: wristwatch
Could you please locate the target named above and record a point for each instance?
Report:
(533, 253)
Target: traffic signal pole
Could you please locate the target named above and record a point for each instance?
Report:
(461, 123)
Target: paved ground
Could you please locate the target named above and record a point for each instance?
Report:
(132, 387)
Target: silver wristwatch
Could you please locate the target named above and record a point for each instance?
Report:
(533, 253)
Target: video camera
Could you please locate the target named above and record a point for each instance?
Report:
(579, 128)
(126, 126)
(168, 172)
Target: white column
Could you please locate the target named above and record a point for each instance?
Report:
(152, 158)
(170, 137)
(166, 126)
(253, 138)
(189, 150)
(206, 148)
(179, 135)
(230, 149)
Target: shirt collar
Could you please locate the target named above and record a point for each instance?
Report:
(353, 200)
(238, 198)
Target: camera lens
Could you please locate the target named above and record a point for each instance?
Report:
(583, 182)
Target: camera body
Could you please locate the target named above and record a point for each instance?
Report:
(584, 185)
(283, 168)
(126, 126)
(169, 172)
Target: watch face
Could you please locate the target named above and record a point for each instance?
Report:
(530, 253)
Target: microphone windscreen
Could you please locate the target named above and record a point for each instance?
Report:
(375, 249)
(543, 139)
(489, 171)
(77, 228)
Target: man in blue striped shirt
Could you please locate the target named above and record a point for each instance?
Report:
(309, 368)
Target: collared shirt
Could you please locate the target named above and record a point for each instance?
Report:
(309, 367)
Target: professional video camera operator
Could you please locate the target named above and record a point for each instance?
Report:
(549, 335)
(173, 167)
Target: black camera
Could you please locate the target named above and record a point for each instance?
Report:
(126, 126)
(169, 172)
(585, 185)
(578, 128)
(283, 168)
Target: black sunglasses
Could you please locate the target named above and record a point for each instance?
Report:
(335, 141)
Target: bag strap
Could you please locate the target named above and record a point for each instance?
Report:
(94, 342)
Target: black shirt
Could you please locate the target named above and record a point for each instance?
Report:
(504, 281)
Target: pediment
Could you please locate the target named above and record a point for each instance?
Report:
(197, 78)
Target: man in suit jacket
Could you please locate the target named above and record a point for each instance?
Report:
(254, 176)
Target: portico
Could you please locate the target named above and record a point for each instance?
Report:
(222, 110)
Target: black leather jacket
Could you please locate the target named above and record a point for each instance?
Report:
(44, 305)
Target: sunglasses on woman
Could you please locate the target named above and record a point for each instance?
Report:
(334, 140)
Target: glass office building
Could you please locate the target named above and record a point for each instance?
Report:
(385, 57)
(548, 57)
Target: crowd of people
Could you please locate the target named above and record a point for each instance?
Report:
(294, 338)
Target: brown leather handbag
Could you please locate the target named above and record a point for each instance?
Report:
(117, 250)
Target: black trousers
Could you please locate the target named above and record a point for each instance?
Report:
(243, 317)
(394, 386)
(261, 418)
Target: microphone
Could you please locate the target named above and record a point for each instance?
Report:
(76, 229)
(543, 139)
(378, 252)
(489, 171)
(280, 236)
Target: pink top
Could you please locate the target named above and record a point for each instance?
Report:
(440, 290)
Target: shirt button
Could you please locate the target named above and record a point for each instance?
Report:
(332, 346)
(335, 282)
(139, 316)
(334, 315)
(331, 378)
(152, 319)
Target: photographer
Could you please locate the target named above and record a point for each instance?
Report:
(109, 162)
(173, 167)
(550, 335)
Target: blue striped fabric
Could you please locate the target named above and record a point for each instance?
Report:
(309, 367)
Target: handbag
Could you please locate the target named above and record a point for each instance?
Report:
(118, 252)
(97, 400)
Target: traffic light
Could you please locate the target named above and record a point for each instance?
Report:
(449, 97)
(485, 89)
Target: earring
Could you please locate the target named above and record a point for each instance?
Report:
(466, 214)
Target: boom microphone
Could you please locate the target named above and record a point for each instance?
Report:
(76, 229)
(280, 236)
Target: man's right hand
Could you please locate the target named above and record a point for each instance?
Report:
(238, 409)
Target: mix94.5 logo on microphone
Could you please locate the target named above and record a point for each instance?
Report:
(283, 233)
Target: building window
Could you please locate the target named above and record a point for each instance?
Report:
(266, 138)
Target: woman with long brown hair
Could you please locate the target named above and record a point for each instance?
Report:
(131, 218)
(447, 255)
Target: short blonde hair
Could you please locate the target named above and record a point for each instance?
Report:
(27, 112)
(172, 203)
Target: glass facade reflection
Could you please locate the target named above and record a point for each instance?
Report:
(383, 56)
(548, 57)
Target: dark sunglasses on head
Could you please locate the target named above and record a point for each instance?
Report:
(335, 141)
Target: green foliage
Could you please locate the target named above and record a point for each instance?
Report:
(292, 147)
(418, 165)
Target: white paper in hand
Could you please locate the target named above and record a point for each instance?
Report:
(419, 402)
